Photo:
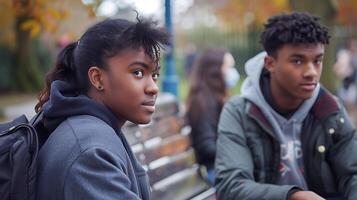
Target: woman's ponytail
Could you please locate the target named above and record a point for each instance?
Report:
(63, 70)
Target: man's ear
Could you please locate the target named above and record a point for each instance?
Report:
(95, 75)
(269, 63)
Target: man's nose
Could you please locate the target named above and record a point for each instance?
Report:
(311, 70)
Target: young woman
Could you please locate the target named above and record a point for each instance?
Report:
(212, 74)
(106, 78)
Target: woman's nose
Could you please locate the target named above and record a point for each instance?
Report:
(151, 87)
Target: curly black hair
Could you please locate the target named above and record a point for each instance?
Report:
(294, 28)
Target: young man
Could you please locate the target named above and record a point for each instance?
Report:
(285, 136)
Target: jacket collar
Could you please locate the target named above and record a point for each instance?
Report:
(325, 105)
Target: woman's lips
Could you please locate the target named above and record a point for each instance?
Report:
(149, 105)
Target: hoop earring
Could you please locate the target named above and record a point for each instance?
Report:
(100, 87)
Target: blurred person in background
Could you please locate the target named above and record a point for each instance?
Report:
(190, 57)
(212, 74)
(346, 69)
(286, 137)
(101, 81)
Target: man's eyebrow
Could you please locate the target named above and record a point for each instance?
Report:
(303, 56)
(320, 55)
(297, 56)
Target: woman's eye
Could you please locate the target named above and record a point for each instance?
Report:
(139, 73)
(156, 76)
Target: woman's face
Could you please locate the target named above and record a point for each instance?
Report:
(228, 62)
(130, 87)
(230, 73)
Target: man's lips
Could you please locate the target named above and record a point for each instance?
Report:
(308, 86)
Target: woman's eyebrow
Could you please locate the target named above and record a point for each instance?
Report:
(141, 64)
(157, 68)
(146, 66)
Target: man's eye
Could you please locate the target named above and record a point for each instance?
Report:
(297, 62)
(139, 73)
(156, 76)
(318, 62)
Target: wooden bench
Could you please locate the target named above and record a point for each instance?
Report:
(163, 148)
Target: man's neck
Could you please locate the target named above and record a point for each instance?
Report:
(282, 99)
(278, 106)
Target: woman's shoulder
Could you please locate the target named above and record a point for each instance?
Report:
(90, 130)
(85, 123)
(85, 131)
(80, 143)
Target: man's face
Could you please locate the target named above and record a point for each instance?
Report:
(295, 70)
(131, 88)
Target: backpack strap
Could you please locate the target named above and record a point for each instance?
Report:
(7, 125)
(42, 132)
(37, 118)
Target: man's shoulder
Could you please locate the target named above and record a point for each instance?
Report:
(237, 101)
(241, 104)
(326, 104)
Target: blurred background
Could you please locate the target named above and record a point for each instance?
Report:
(33, 31)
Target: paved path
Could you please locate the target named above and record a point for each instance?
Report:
(14, 111)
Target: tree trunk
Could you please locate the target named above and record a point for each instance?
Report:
(26, 73)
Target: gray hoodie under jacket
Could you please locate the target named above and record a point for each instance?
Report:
(287, 131)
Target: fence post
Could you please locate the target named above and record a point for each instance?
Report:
(170, 80)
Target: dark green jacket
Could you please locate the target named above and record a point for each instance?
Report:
(248, 154)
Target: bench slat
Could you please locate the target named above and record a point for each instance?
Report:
(165, 109)
(163, 147)
(182, 185)
(130, 130)
(209, 194)
(166, 147)
(163, 128)
(166, 166)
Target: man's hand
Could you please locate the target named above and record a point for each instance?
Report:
(305, 195)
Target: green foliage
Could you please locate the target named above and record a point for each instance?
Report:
(23, 22)
(242, 45)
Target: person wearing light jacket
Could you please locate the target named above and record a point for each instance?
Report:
(285, 137)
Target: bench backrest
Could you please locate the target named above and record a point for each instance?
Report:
(163, 147)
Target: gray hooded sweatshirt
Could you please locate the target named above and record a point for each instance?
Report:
(287, 131)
